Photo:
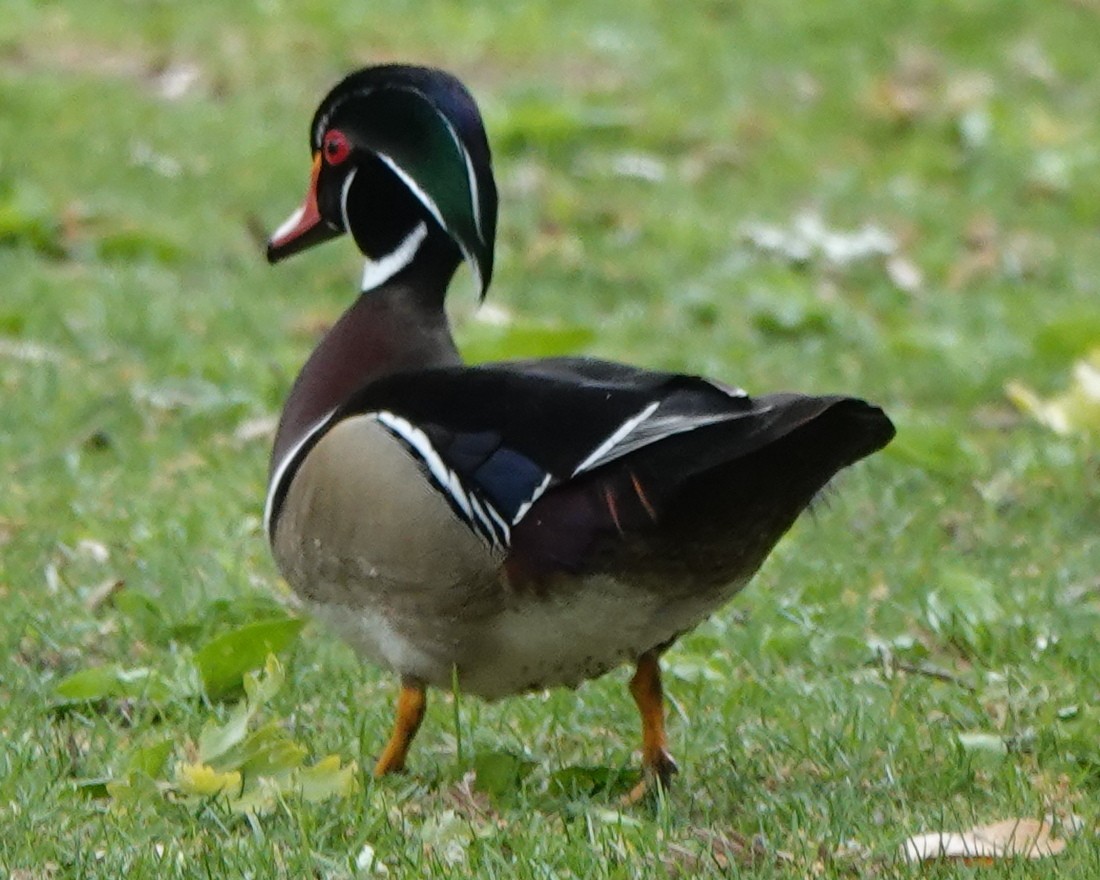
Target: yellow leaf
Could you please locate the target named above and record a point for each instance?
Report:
(1076, 410)
(327, 779)
(203, 780)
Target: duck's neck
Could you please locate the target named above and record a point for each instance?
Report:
(398, 325)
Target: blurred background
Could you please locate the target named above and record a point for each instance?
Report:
(894, 200)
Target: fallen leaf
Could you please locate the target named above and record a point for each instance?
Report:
(977, 741)
(258, 428)
(204, 781)
(226, 658)
(217, 739)
(108, 682)
(177, 80)
(367, 862)
(1026, 838)
(497, 773)
(904, 274)
(448, 837)
(808, 238)
(1076, 410)
(327, 778)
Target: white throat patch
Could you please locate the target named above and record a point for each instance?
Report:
(378, 272)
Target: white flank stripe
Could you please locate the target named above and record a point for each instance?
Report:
(378, 272)
(479, 513)
(419, 441)
(620, 433)
(521, 511)
(490, 521)
(280, 470)
(344, 197)
(501, 524)
(454, 486)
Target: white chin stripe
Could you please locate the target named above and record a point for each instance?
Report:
(289, 224)
(378, 272)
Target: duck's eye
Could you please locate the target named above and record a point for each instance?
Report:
(335, 147)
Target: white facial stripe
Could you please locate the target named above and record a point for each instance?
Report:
(344, 198)
(433, 209)
(475, 199)
(471, 175)
(619, 434)
(280, 470)
(425, 199)
(288, 225)
(378, 272)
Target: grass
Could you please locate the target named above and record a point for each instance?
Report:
(918, 654)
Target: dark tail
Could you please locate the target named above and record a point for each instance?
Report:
(717, 498)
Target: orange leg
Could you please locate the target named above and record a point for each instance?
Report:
(411, 702)
(657, 763)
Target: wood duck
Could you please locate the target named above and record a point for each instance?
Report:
(519, 525)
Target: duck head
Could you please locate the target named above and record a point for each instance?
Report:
(399, 158)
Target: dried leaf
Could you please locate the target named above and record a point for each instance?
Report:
(808, 238)
(904, 274)
(980, 742)
(102, 593)
(1026, 838)
(448, 837)
(258, 428)
(27, 351)
(367, 862)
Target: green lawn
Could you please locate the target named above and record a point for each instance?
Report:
(919, 654)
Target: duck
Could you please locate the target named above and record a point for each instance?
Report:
(514, 526)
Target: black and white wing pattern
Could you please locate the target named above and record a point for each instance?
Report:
(494, 439)
(554, 462)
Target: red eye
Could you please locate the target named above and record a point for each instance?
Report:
(335, 147)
